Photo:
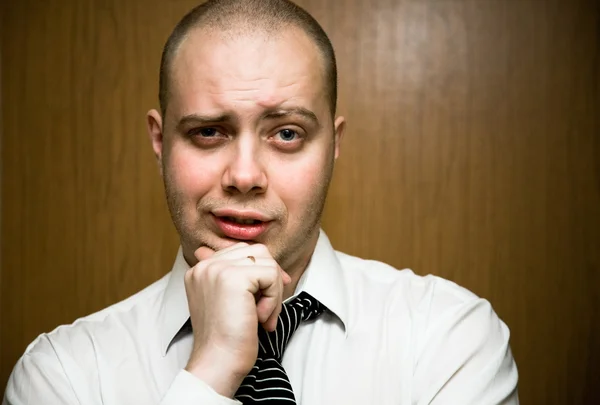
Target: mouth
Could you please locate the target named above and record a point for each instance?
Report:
(241, 226)
(241, 221)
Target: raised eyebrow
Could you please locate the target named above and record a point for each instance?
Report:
(279, 113)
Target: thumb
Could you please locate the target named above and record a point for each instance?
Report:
(203, 253)
(286, 277)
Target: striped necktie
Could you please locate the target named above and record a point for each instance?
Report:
(267, 382)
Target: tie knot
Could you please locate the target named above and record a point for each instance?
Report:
(304, 307)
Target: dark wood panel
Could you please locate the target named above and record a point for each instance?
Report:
(472, 152)
(84, 223)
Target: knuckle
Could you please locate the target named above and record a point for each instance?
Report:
(201, 265)
(270, 264)
(201, 271)
(193, 278)
(274, 271)
(189, 275)
(217, 274)
(262, 250)
(222, 276)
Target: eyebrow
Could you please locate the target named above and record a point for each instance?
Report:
(198, 119)
(287, 112)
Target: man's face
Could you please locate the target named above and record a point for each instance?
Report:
(248, 142)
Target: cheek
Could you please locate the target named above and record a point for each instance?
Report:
(300, 182)
(190, 175)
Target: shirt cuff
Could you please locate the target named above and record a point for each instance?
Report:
(188, 389)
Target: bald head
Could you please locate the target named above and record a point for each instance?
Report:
(240, 17)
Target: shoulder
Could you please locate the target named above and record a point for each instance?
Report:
(57, 365)
(436, 311)
(112, 324)
(402, 287)
(457, 344)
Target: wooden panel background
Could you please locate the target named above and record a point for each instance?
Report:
(472, 152)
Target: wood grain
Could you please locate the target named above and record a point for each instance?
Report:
(84, 223)
(472, 152)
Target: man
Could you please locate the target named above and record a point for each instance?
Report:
(246, 141)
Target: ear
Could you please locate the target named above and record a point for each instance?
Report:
(155, 131)
(340, 127)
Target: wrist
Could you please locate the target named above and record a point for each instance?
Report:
(218, 372)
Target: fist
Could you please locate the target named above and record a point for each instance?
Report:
(229, 293)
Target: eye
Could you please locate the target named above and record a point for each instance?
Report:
(208, 132)
(288, 135)
(207, 137)
(288, 140)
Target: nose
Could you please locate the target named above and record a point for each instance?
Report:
(245, 173)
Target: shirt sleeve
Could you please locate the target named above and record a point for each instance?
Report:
(188, 389)
(39, 378)
(466, 359)
(42, 377)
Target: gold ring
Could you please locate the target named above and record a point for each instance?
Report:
(252, 258)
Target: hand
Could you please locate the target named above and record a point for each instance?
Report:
(228, 296)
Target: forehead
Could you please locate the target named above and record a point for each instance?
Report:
(222, 70)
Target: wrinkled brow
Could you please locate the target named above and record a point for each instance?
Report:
(200, 119)
(288, 112)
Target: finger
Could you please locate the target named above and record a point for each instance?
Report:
(267, 311)
(265, 279)
(233, 247)
(259, 261)
(253, 261)
(285, 277)
(241, 251)
(203, 253)
(270, 286)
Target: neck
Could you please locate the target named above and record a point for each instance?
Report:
(297, 268)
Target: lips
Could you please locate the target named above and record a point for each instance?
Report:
(241, 226)
(242, 221)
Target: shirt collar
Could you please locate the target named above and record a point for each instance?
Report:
(323, 278)
(174, 311)
(326, 281)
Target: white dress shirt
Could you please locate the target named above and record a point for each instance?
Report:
(389, 337)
